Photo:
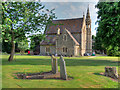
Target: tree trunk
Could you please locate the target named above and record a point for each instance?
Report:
(12, 50)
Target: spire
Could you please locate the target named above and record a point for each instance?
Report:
(88, 20)
(88, 14)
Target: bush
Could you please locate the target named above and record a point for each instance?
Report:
(113, 51)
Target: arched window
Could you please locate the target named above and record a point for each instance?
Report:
(65, 49)
(64, 37)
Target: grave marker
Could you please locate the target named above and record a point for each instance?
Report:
(54, 64)
(63, 73)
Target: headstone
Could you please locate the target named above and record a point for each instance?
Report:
(54, 64)
(111, 72)
(63, 74)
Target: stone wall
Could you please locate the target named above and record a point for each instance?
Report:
(76, 50)
(43, 50)
(89, 40)
(69, 43)
(83, 39)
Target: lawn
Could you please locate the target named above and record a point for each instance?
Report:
(84, 70)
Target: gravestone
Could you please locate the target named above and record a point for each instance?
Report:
(63, 74)
(111, 72)
(54, 64)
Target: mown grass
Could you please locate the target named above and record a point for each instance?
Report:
(84, 70)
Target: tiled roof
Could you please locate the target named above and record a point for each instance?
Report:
(73, 25)
(49, 40)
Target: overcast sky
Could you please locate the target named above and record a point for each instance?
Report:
(67, 10)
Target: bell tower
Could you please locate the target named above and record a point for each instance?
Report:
(88, 33)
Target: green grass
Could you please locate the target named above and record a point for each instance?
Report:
(84, 70)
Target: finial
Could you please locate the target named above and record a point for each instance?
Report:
(88, 7)
(83, 14)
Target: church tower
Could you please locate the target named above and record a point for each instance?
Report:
(88, 33)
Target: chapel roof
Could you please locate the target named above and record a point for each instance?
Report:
(73, 25)
(49, 40)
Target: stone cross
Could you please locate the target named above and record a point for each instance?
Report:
(63, 74)
(54, 64)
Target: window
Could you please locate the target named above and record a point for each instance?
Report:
(65, 37)
(65, 49)
(47, 49)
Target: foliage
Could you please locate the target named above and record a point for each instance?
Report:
(98, 45)
(35, 40)
(21, 18)
(6, 46)
(109, 27)
(93, 42)
(23, 45)
(93, 37)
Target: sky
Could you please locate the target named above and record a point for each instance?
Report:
(68, 10)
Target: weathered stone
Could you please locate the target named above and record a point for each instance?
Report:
(35, 77)
(63, 74)
(21, 76)
(111, 72)
(54, 64)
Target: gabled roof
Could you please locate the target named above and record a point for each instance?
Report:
(73, 25)
(49, 40)
(72, 37)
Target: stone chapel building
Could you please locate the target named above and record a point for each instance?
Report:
(68, 37)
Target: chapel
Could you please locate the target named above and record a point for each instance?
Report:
(68, 37)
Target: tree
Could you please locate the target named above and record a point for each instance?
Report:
(108, 30)
(23, 45)
(21, 18)
(93, 37)
(35, 40)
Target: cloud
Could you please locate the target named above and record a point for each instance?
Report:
(66, 10)
(69, 0)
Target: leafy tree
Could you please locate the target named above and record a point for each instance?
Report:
(21, 18)
(93, 37)
(98, 45)
(93, 42)
(6, 46)
(108, 36)
(23, 45)
(35, 40)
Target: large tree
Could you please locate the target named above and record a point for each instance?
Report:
(35, 40)
(21, 18)
(108, 30)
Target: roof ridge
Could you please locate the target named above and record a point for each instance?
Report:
(72, 37)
